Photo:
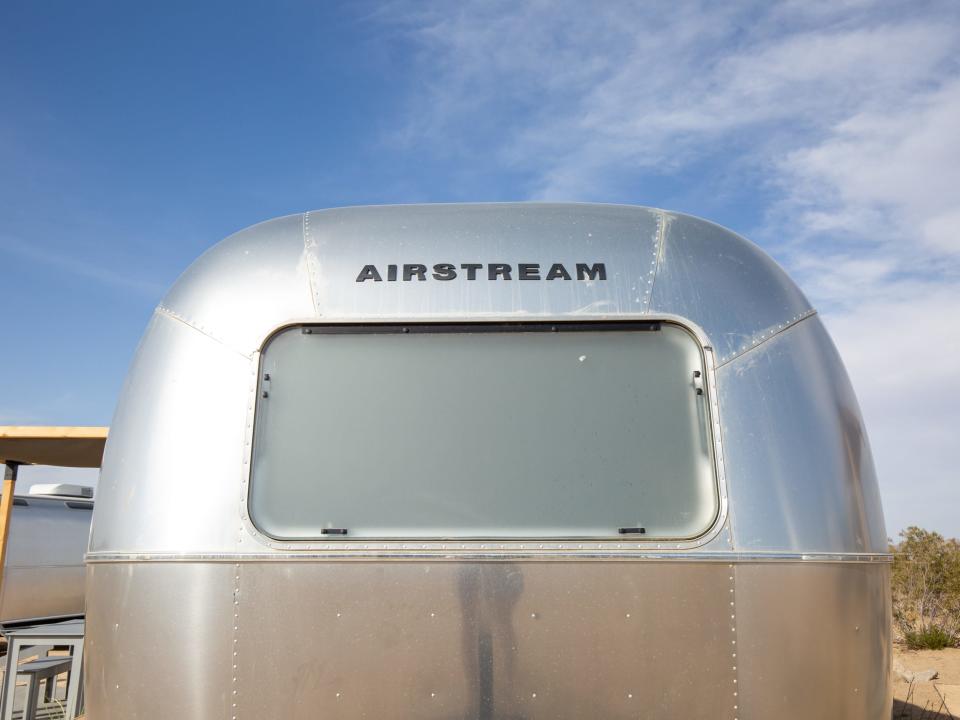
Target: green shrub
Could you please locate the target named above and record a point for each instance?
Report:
(933, 638)
(926, 589)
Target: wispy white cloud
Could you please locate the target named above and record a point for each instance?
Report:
(80, 268)
(845, 113)
(572, 95)
(892, 172)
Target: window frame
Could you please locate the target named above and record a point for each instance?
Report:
(504, 542)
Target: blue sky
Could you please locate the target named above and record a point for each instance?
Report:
(134, 136)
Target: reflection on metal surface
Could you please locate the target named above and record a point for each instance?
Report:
(43, 574)
(799, 467)
(158, 645)
(814, 640)
(341, 241)
(478, 641)
(727, 285)
(558, 640)
(550, 628)
(222, 293)
(173, 461)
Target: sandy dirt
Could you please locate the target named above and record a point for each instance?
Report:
(937, 700)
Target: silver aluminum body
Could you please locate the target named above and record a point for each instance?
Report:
(780, 610)
(44, 572)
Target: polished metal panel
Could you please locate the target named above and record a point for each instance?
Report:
(44, 573)
(173, 463)
(239, 289)
(48, 532)
(35, 592)
(342, 241)
(159, 642)
(813, 641)
(409, 639)
(799, 469)
(194, 613)
(724, 283)
(184, 416)
(489, 640)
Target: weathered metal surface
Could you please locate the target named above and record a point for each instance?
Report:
(484, 640)
(489, 640)
(814, 641)
(413, 640)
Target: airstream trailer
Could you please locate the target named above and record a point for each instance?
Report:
(487, 461)
(44, 533)
(43, 576)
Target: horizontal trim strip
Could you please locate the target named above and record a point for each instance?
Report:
(480, 326)
(471, 556)
(60, 566)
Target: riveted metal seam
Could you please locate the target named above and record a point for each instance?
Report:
(312, 264)
(235, 646)
(376, 552)
(733, 641)
(174, 315)
(662, 223)
(765, 336)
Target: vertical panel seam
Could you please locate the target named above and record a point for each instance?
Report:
(733, 642)
(234, 685)
(308, 247)
(657, 255)
(242, 516)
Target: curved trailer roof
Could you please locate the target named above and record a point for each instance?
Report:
(798, 563)
(181, 419)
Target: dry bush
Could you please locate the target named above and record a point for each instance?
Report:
(926, 589)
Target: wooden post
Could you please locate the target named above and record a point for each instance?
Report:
(6, 505)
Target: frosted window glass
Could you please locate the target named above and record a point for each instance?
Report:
(453, 432)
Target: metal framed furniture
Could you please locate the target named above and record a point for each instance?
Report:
(70, 634)
(47, 670)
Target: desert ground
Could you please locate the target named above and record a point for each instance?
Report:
(935, 700)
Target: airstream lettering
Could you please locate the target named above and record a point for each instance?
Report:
(674, 516)
(495, 271)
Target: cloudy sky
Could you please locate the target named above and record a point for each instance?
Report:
(134, 136)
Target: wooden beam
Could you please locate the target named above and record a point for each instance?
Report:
(54, 431)
(6, 505)
(60, 446)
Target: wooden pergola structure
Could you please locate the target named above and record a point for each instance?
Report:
(80, 447)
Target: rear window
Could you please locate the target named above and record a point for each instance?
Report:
(483, 431)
